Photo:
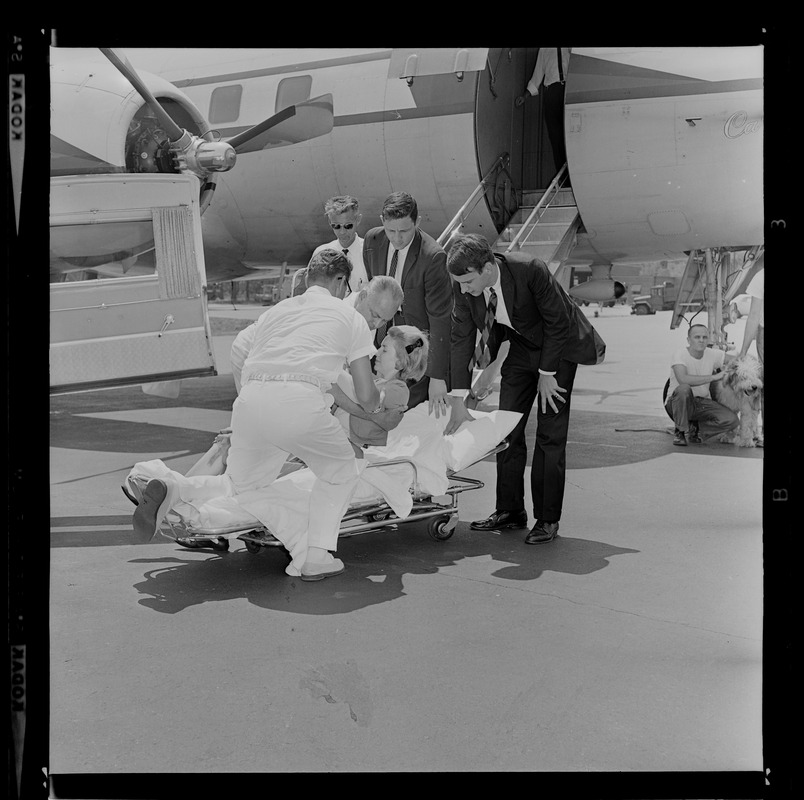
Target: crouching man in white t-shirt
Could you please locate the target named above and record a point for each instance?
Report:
(688, 400)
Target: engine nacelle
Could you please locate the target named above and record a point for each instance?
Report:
(100, 123)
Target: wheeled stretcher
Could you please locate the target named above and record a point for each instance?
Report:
(364, 517)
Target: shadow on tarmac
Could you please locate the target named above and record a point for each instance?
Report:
(376, 565)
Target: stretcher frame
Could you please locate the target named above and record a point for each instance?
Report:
(442, 518)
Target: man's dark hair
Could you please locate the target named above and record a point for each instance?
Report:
(399, 205)
(469, 252)
(326, 265)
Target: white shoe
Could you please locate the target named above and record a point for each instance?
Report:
(317, 572)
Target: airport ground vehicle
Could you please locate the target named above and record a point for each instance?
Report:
(662, 297)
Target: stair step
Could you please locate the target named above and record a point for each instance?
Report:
(543, 232)
(530, 197)
(552, 214)
(543, 250)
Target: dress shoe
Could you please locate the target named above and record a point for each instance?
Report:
(151, 510)
(317, 572)
(500, 520)
(542, 532)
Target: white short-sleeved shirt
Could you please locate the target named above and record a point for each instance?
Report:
(311, 334)
(757, 289)
(359, 278)
(708, 363)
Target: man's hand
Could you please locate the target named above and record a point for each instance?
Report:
(548, 392)
(438, 397)
(460, 414)
(520, 100)
(388, 420)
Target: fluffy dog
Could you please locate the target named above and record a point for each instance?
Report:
(741, 390)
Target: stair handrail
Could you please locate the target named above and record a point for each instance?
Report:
(454, 224)
(537, 209)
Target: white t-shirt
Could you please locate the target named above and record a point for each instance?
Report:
(359, 278)
(757, 289)
(311, 334)
(708, 363)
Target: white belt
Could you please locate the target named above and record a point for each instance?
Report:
(289, 376)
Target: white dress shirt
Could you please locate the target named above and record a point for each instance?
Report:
(547, 67)
(400, 264)
(310, 334)
(359, 277)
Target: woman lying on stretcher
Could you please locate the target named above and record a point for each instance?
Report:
(402, 356)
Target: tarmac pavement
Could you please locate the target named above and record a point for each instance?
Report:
(631, 644)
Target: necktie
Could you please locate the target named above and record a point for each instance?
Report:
(482, 357)
(392, 270)
(560, 69)
(349, 288)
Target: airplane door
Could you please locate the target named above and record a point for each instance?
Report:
(127, 299)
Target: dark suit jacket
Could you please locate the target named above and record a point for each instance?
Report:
(543, 315)
(428, 291)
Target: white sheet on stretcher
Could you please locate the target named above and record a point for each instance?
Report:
(205, 502)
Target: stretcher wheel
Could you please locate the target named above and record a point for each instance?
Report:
(439, 527)
(253, 547)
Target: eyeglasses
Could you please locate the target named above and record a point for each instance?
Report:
(336, 226)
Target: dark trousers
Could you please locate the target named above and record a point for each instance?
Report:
(519, 380)
(554, 120)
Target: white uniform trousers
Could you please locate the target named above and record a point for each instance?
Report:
(273, 418)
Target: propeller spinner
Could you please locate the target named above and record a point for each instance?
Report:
(202, 157)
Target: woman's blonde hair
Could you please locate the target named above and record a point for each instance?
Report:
(412, 348)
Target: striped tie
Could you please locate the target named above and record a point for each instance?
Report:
(482, 357)
(392, 272)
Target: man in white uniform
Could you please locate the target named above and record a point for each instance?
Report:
(343, 213)
(298, 351)
(376, 302)
(688, 400)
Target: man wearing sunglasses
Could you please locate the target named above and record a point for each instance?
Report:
(343, 213)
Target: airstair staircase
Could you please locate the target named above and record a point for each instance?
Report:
(546, 225)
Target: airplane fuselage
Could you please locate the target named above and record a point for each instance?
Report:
(664, 147)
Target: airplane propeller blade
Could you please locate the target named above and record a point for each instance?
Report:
(120, 61)
(293, 124)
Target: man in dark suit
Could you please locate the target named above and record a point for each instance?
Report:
(548, 337)
(400, 249)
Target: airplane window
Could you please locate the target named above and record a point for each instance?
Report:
(224, 104)
(293, 90)
(111, 250)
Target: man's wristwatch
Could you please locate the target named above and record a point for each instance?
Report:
(481, 395)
